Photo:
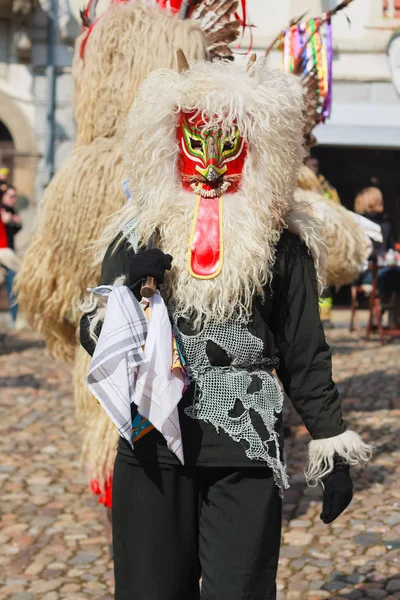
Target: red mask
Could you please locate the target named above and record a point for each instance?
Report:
(209, 162)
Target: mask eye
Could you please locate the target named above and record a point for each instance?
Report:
(228, 145)
(196, 144)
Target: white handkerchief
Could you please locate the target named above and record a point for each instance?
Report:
(121, 372)
(158, 389)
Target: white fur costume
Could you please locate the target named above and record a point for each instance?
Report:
(266, 106)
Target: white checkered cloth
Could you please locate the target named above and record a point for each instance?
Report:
(121, 372)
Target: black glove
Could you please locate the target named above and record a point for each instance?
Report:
(338, 492)
(149, 263)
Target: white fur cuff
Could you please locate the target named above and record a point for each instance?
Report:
(347, 445)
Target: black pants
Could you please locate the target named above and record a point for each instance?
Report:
(173, 525)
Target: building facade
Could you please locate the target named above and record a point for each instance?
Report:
(36, 123)
(366, 106)
(35, 79)
(361, 139)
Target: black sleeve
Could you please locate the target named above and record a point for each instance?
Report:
(84, 336)
(390, 241)
(115, 263)
(14, 227)
(305, 358)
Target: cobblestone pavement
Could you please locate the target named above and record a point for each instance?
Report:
(52, 538)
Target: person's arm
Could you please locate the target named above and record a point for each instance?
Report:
(15, 223)
(305, 367)
(121, 260)
(115, 264)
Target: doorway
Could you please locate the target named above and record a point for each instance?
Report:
(7, 149)
(350, 169)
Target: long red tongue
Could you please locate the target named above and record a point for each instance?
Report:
(206, 243)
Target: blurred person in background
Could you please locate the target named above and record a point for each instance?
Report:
(4, 174)
(12, 225)
(369, 203)
(10, 215)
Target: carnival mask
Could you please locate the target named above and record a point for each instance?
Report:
(210, 163)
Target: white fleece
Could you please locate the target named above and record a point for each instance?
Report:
(347, 445)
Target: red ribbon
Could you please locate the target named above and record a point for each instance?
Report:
(244, 24)
(105, 495)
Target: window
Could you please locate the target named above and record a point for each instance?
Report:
(6, 148)
(391, 8)
(4, 46)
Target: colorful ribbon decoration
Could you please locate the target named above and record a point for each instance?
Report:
(312, 40)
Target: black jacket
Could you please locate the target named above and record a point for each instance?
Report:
(288, 322)
(387, 232)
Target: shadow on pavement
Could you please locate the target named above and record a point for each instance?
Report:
(374, 390)
(369, 406)
(381, 470)
(13, 343)
(23, 381)
(372, 585)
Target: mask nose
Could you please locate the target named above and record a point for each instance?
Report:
(212, 174)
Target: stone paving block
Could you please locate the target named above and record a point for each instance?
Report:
(393, 585)
(377, 594)
(53, 542)
(334, 586)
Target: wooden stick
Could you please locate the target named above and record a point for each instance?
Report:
(148, 288)
(278, 37)
(339, 7)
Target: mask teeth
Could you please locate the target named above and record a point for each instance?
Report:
(209, 193)
(198, 189)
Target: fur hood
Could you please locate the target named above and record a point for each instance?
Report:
(267, 107)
